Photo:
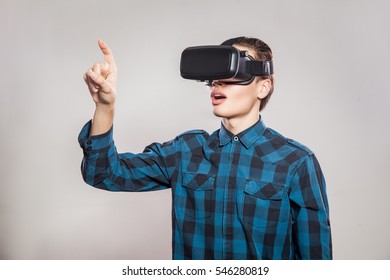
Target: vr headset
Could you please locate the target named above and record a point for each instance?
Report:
(219, 63)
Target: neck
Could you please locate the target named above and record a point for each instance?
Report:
(237, 125)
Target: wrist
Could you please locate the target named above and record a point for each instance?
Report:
(102, 120)
(105, 108)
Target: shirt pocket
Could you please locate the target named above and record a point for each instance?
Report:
(199, 199)
(262, 204)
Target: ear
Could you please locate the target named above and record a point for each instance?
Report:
(263, 88)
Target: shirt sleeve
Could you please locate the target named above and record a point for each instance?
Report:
(103, 168)
(310, 212)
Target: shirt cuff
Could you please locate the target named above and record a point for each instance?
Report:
(94, 144)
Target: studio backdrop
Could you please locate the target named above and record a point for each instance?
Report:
(331, 62)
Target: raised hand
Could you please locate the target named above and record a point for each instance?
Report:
(101, 78)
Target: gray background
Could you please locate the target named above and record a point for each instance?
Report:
(332, 94)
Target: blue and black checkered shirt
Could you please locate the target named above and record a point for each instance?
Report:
(255, 195)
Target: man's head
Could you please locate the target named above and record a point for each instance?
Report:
(239, 74)
(243, 101)
(259, 51)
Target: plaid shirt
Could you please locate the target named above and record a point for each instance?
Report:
(255, 195)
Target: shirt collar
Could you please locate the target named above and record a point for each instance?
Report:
(246, 137)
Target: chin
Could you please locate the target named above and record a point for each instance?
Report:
(221, 114)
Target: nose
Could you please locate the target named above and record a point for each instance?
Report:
(216, 83)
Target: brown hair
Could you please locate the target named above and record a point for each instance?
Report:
(263, 52)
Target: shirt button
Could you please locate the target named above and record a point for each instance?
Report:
(235, 138)
(89, 142)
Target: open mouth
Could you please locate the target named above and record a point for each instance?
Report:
(217, 98)
(217, 95)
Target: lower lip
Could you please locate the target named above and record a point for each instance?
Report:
(216, 101)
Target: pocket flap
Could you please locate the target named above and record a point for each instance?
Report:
(264, 190)
(198, 181)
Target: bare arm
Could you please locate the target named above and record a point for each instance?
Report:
(101, 80)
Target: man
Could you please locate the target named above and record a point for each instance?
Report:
(242, 192)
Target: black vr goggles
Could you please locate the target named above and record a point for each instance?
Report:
(219, 63)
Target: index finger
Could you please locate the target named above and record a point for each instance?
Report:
(108, 56)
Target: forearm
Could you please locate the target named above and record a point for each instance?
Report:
(312, 235)
(310, 210)
(103, 168)
(103, 119)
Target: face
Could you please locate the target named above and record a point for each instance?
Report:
(238, 101)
